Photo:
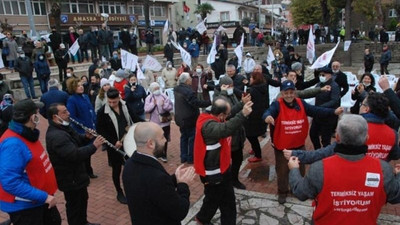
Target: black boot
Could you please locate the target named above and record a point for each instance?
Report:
(121, 198)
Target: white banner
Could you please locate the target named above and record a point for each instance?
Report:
(325, 58)
(310, 46)
(128, 60)
(239, 51)
(213, 52)
(270, 57)
(201, 27)
(151, 64)
(221, 28)
(139, 73)
(347, 45)
(1, 62)
(186, 57)
(166, 25)
(74, 48)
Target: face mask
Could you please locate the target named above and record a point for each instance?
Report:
(108, 67)
(36, 119)
(41, 57)
(194, 42)
(115, 56)
(158, 92)
(118, 79)
(198, 70)
(22, 55)
(187, 38)
(366, 84)
(169, 43)
(335, 71)
(217, 57)
(322, 79)
(170, 66)
(133, 83)
(230, 91)
(62, 122)
(69, 75)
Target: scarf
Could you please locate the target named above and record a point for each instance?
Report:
(351, 149)
(25, 132)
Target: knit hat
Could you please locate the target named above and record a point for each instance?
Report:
(104, 81)
(297, 66)
(225, 80)
(120, 73)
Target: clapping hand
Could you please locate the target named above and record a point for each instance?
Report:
(184, 175)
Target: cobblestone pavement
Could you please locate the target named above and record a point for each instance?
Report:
(257, 205)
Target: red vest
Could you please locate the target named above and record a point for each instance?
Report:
(291, 126)
(120, 87)
(39, 169)
(349, 198)
(381, 139)
(200, 147)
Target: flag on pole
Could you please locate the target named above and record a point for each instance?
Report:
(325, 58)
(139, 72)
(128, 60)
(213, 52)
(186, 57)
(1, 62)
(166, 25)
(221, 28)
(239, 51)
(74, 48)
(201, 27)
(310, 46)
(270, 57)
(151, 64)
(186, 8)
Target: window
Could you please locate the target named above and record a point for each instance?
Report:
(15, 7)
(224, 16)
(74, 6)
(157, 10)
(392, 13)
(112, 7)
(39, 7)
(136, 9)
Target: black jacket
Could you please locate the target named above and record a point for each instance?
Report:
(169, 51)
(255, 126)
(341, 80)
(24, 66)
(369, 61)
(187, 106)
(238, 85)
(68, 151)
(153, 195)
(55, 40)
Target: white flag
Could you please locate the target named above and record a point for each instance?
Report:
(74, 48)
(220, 28)
(186, 57)
(128, 60)
(151, 64)
(213, 52)
(270, 57)
(2, 36)
(346, 45)
(310, 46)
(139, 73)
(201, 27)
(166, 25)
(239, 51)
(325, 58)
(1, 62)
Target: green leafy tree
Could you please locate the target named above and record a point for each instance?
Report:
(246, 21)
(306, 12)
(204, 9)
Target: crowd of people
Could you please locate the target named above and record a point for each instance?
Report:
(216, 108)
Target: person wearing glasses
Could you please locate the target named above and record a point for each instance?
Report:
(325, 127)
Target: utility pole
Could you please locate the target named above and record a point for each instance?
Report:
(30, 17)
(259, 14)
(272, 19)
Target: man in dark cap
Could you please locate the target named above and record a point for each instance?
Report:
(28, 183)
(288, 117)
(355, 196)
(325, 127)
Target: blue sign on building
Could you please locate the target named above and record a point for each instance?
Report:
(157, 23)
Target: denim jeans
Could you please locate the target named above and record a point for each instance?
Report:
(27, 82)
(11, 64)
(187, 142)
(43, 84)
(84, 54)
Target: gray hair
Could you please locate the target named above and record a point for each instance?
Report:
(231, 66)
(258, 66)
(52, 83)
(352, 130)
(183, 78)
(297, 66)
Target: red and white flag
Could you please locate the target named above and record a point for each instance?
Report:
(310, 46)
(325, 58)
(186, 8)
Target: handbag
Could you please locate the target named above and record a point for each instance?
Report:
(164, 117)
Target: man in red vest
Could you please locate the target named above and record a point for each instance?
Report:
(288, 115)
(27, 180)
(350, 186)
(212, 158)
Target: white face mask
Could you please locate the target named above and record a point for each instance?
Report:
(322, 79)
(230, 91)
(335, 71)
(36, 119)
(108, 67)
(199, 70)
(366, 84)
(22, 55)
(62, 122)
(41, 57)
(170, 66)
(157, 92)
(69, 75)
(118, 79)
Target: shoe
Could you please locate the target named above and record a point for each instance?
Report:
(121, 198)
(164, 159)
(239, 185)
(254, 159)
(251, 152)
(93, 176)
(281, 198)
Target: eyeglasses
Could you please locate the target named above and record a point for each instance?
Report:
(363, 104)
(321, 74)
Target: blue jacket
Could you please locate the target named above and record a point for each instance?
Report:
(42, 68)
(52, 96)
(81, 110)
(13, 177)
(194, 50)
(135, 100)
(308, 157)
(386, 57)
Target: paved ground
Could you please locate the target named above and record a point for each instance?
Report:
(257, 205)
